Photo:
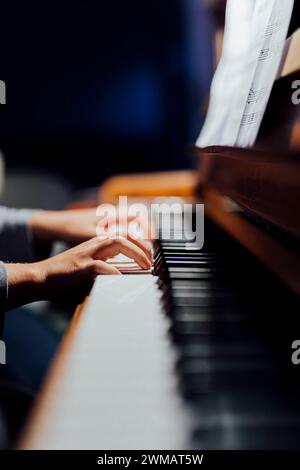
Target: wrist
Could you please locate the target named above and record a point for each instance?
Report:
(26, 283)
(37, 279)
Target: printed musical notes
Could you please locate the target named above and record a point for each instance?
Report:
(249, 119)
(256, 95)
(254, 40)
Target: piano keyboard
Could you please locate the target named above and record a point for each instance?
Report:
(232, 372)
(195, 356)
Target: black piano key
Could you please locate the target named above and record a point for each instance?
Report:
(233, 329)
(223, 365)
(201, 291)
(213, 285)
(201, 301)
(190, 256)
(181, 248)
(216, 311)
(201, 316)
(208, 349)
(184, 275)
(173, 261)
(194, 270)
(249, 431)
(230, 380)
(253, 402)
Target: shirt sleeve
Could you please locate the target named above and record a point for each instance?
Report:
(16, 246)
(3, 294)
(16, 240)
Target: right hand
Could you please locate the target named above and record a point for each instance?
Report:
(71, 273)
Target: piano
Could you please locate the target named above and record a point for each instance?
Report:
(198, 353)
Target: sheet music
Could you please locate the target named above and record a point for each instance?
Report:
(254, 40)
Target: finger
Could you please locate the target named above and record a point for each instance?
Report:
(133, 251)
(123, 232)
(120, 231)
(113, 247)
(100, 267)
(142, 244)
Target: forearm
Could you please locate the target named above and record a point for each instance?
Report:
(48, 226)
(71, 226)
(25, 284)
(16, 242)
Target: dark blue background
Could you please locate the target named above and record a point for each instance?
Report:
(118, 85)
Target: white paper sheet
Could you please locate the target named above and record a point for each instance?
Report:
(254, 40)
